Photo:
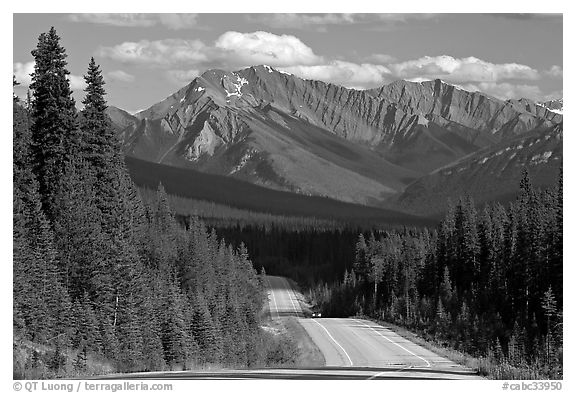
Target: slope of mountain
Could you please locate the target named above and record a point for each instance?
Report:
(224, 190)
(276, 130)
(492, 173)
(120, 118)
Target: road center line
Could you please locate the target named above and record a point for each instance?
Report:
(336, 342)
(273, 298)
(407, 350)
(290, 297)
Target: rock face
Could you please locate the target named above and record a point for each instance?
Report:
(490, 174)
(277, 130)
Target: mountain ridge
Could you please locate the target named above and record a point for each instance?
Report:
(283, 132)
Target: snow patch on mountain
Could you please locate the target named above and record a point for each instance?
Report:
(422, 120)
(245, 158)
(541, 158)
(240, 81)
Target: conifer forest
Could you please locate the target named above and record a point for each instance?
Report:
(99, 273)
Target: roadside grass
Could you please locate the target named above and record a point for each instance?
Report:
(35, 361)
(493, 369)
(279, 347)
(288, 345)
(309, 354)
(293, 345)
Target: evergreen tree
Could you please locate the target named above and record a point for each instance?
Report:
(205, 331)
(54, 128)
(129, 328)
(99, 143)
(361, 260)
(179, 346)
(84, 250)
(25, 183)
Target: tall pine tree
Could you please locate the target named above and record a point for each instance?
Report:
(54, 125)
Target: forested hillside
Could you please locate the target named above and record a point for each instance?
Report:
(488, 283)
(102, 281)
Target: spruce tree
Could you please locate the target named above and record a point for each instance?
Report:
(556, 263)
(98, 139)
(54, 124)
(100, 147)
(24, 180)
(84, 250)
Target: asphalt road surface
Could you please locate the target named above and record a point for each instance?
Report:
(361, 344)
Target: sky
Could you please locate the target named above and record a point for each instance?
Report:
(147, 57)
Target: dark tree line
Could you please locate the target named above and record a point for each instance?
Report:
(487, 282)
(306, 253)
(98, 274)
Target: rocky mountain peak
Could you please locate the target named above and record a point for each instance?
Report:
(275, 129)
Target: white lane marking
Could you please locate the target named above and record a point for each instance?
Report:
(289, 289)
(337, 343)
(387, 372)
(273, 298)
(407, 350)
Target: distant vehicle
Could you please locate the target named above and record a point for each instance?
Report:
(316, 313)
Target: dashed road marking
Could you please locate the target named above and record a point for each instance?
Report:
(273, 299)
(289, 289)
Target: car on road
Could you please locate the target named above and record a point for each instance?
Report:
(316, 313)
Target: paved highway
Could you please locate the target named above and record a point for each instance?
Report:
(283, 301)
(358, 343)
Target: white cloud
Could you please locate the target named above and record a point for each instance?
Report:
(22, 72)
(171, 21)
(262, 47)
(469, 69)
(120, 76)
(180, 77)
(76, 82)
(344, 73)
(182, 60)
(168, 52)
(230, 50)
(555, 72)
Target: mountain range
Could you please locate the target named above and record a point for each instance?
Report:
(406, 145)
